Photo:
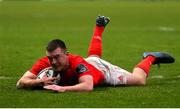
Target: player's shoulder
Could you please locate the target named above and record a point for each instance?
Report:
(40, 64)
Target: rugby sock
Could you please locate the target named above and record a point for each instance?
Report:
(146, 63)
(95, 47)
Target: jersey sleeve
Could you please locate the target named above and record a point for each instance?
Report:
(80, 66)
(40, 65)
(83, 69)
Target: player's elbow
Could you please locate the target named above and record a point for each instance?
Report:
(19, 84)
(86, 83)
(89, 88)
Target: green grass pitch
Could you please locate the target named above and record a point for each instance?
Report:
(135, 27)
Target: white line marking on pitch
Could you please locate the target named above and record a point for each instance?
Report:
(167, 29)
(157, 76)
(162, 77)
(178, 76)
(6, 77)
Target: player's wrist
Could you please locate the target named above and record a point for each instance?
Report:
(40, 82)
(62, 89)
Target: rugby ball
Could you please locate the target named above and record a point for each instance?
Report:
(48, 72)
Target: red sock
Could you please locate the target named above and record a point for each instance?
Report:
(146, 63)
(95, 47)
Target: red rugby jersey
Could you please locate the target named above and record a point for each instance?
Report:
(77, 67)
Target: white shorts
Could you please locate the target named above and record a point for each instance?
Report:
(114, 75)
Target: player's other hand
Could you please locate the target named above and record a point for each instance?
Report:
(54, 88)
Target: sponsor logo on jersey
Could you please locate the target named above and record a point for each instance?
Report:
(81, 68)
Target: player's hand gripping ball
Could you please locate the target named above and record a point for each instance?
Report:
(48, 72)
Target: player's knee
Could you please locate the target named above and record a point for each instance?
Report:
(141, 81)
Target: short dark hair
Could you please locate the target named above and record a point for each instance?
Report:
(53, 44)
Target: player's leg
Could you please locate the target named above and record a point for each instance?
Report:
(115, 75)
(141, 71)
(95, 47)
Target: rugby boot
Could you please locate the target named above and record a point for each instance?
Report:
(102, 21)
(161, 57)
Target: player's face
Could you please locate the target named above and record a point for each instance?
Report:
(58, 58)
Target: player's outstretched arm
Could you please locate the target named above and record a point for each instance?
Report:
(30, 80)
(85, 85)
